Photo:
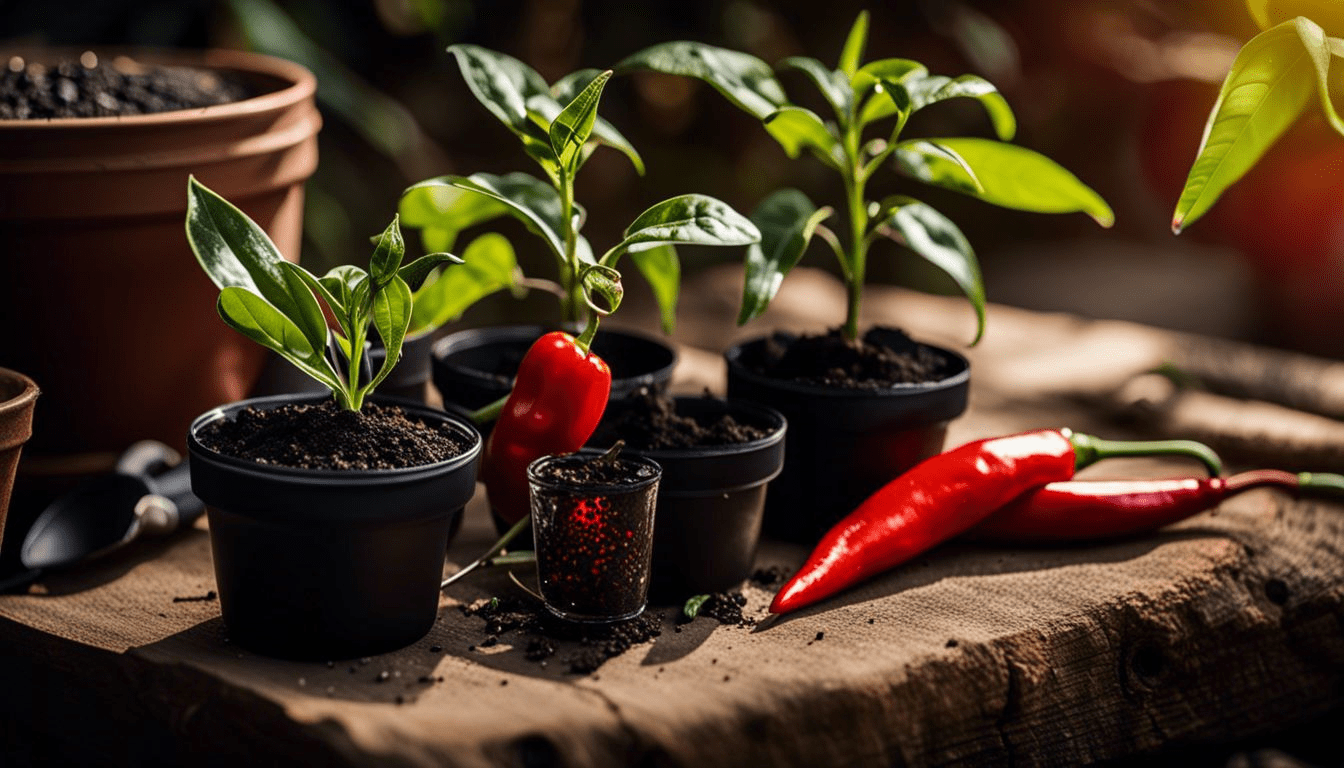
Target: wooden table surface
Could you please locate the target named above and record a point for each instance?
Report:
(1221, 628)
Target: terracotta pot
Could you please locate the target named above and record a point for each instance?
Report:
(103, 301)
(18, 395)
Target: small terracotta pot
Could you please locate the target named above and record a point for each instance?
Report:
(18, 395)
(97, 264)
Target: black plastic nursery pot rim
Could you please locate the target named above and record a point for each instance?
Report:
(452, 355)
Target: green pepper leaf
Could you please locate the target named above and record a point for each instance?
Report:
(686, 219)
(661, 267)
(693, 606)
(787, 220)
(937, 165)
(1016, 177)
(833, 84)
(488, 265)
(572, 127)
(933, 236)
(415, 273)
(526, 198)
(1321, 49)
(231, 248)
(852, 53)
(1266, 89)
(931, 89)
(743, 79)
(440, 211)
(255, 318)
(387, 255)
(867, 82)
(796, 128)
(601, 282)
(500, 82)
(391, 317)
(566, 88)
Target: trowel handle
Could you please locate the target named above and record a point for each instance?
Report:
(146, 457)
(175, 485)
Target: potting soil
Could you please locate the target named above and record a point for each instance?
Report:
(325, 436)
(649, 421)
(92, 87)
(877, 360)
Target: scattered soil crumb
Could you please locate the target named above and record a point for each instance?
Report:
(596, 643)
(207, 597)
(951, 643)
(769, 577)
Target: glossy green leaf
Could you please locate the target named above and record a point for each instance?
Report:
(693, 605)
(488, 265)
(387, 254)
(566, 88)
(498, 81)
(937, 165)
(317, 332)
(1016, 177)
(1267, 88)
(415, 273)
(230, 247)
(796, 129)
(933, 236)
(743, 79)
(661, 267)
(867, 84)
(441, 211)
(686, 219)
(931, 89)
(787, 220)
(572, 127)
(526, 198)
(604, 283)
(391, 317)
(852, 53)
(341, 280)
(1320, 48)
(833, 84)
(255, 318)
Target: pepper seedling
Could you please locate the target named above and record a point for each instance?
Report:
(274, 302)
(559, 128)
(862, 95)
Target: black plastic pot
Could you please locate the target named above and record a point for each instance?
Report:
(475, 367)
(324, 564)
(711, 501)
(843, 444)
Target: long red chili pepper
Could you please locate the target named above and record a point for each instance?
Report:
(557, 400)
(1096, 509)
(947, 494)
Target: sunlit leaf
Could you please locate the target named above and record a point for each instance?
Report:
(691, 220)
(934, 237)
(937, 165)
(571, 128)
(932, 89)
(833, 84)
(852, 53)
(1016, 177)
(796, 129)
(743, 79)
(488, 265)
(787, 220)
(526, 198)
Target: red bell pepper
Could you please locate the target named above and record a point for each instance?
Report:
(557, 400)
(946, 495)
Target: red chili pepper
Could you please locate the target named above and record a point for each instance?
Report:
(947, 494)
(557, 400)
(1098, 509)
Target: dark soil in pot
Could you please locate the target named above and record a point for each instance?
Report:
(92, 87)
(330, 563)
(859, 415)
(717, 458)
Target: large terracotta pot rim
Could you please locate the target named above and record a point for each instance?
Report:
(27, 391)
(301, 85)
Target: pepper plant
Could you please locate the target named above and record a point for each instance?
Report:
(559, 128)
(863, 96)
(274, 302)
(1272, 78)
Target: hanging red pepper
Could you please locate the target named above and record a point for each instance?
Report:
(1081, 509)
(947, 494)
(557, 400)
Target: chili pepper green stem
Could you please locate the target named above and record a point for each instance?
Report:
(494, 550)
(1088, 450)
(488, 413)
(569, 269)
(857, 255)
(585, 339)
(1321, 481)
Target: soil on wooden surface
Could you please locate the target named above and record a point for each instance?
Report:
(595, 471)
(543, 634)
(881, 358)
(648, 421)
(325, 436)
(122, 87)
